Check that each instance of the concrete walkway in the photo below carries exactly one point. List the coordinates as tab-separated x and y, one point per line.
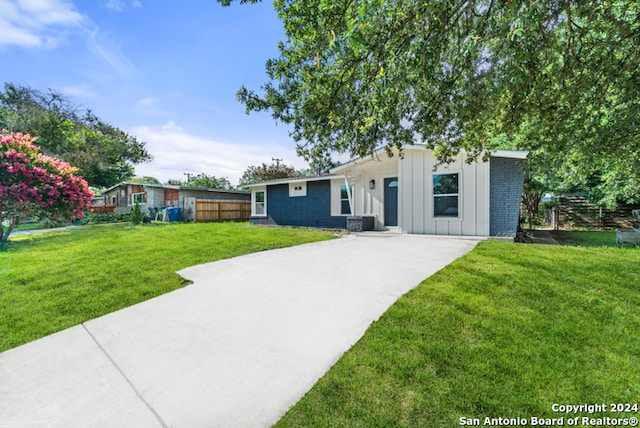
237	348
40	231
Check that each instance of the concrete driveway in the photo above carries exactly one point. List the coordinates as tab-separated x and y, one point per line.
237	348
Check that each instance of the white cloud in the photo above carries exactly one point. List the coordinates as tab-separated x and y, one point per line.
147	102
78	91
36	23
46	23
120	5
116	5
109	50
175	152
12	35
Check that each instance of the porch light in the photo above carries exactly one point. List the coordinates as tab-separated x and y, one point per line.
372	184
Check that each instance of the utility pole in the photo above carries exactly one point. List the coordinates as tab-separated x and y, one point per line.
277	161
188	174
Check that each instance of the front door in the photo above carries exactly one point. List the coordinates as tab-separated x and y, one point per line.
391	201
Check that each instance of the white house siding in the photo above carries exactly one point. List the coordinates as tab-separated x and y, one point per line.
367	201
415	197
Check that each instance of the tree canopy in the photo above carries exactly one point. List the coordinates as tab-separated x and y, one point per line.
560	78
264	172
209	181
145	179
36	185
103	154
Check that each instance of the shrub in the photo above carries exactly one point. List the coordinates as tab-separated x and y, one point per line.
136	214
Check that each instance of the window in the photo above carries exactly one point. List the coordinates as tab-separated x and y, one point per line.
137	198
445	195
344	199
259	207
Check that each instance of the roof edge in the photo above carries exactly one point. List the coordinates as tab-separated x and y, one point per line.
292	180
514	154
171	186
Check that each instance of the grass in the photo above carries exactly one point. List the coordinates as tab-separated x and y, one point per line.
28	226
505	331
50	282
585	238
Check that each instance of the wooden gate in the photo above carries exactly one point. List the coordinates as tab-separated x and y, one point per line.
212	210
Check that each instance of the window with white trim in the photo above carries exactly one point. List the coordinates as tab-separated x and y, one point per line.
345	208
137	198
446	195
260	203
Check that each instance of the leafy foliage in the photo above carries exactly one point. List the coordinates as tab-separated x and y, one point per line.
136	214
36	185
145	179
531	196
209	182
319	166
264	172
104	154
559	78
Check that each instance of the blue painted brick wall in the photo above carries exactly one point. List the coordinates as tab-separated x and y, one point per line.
507	178
313	210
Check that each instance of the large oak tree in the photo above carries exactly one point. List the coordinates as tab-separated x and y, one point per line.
559	78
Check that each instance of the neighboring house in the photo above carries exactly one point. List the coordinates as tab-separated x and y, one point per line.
402	192
123	196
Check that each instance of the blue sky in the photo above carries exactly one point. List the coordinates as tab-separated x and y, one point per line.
165	71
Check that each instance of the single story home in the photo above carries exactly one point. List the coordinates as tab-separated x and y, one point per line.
123	196
407	193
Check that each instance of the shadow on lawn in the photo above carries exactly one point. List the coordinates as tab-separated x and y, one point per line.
585	238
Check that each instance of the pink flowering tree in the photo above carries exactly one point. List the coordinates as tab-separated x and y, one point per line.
36	185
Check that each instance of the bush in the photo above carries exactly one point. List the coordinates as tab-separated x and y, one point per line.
136	214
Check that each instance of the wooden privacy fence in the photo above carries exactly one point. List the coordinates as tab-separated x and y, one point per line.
577	211
208	210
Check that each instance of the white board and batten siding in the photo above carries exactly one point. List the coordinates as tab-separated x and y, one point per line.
368	199
415	198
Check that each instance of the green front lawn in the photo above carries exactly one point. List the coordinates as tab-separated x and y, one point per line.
585	238
53	281
506	331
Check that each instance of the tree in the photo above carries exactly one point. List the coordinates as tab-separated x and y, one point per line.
103	154
264	172
145	179
559	78
319	166
36	185
531	196
209	181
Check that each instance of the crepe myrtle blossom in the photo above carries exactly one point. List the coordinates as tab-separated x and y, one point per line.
35	185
